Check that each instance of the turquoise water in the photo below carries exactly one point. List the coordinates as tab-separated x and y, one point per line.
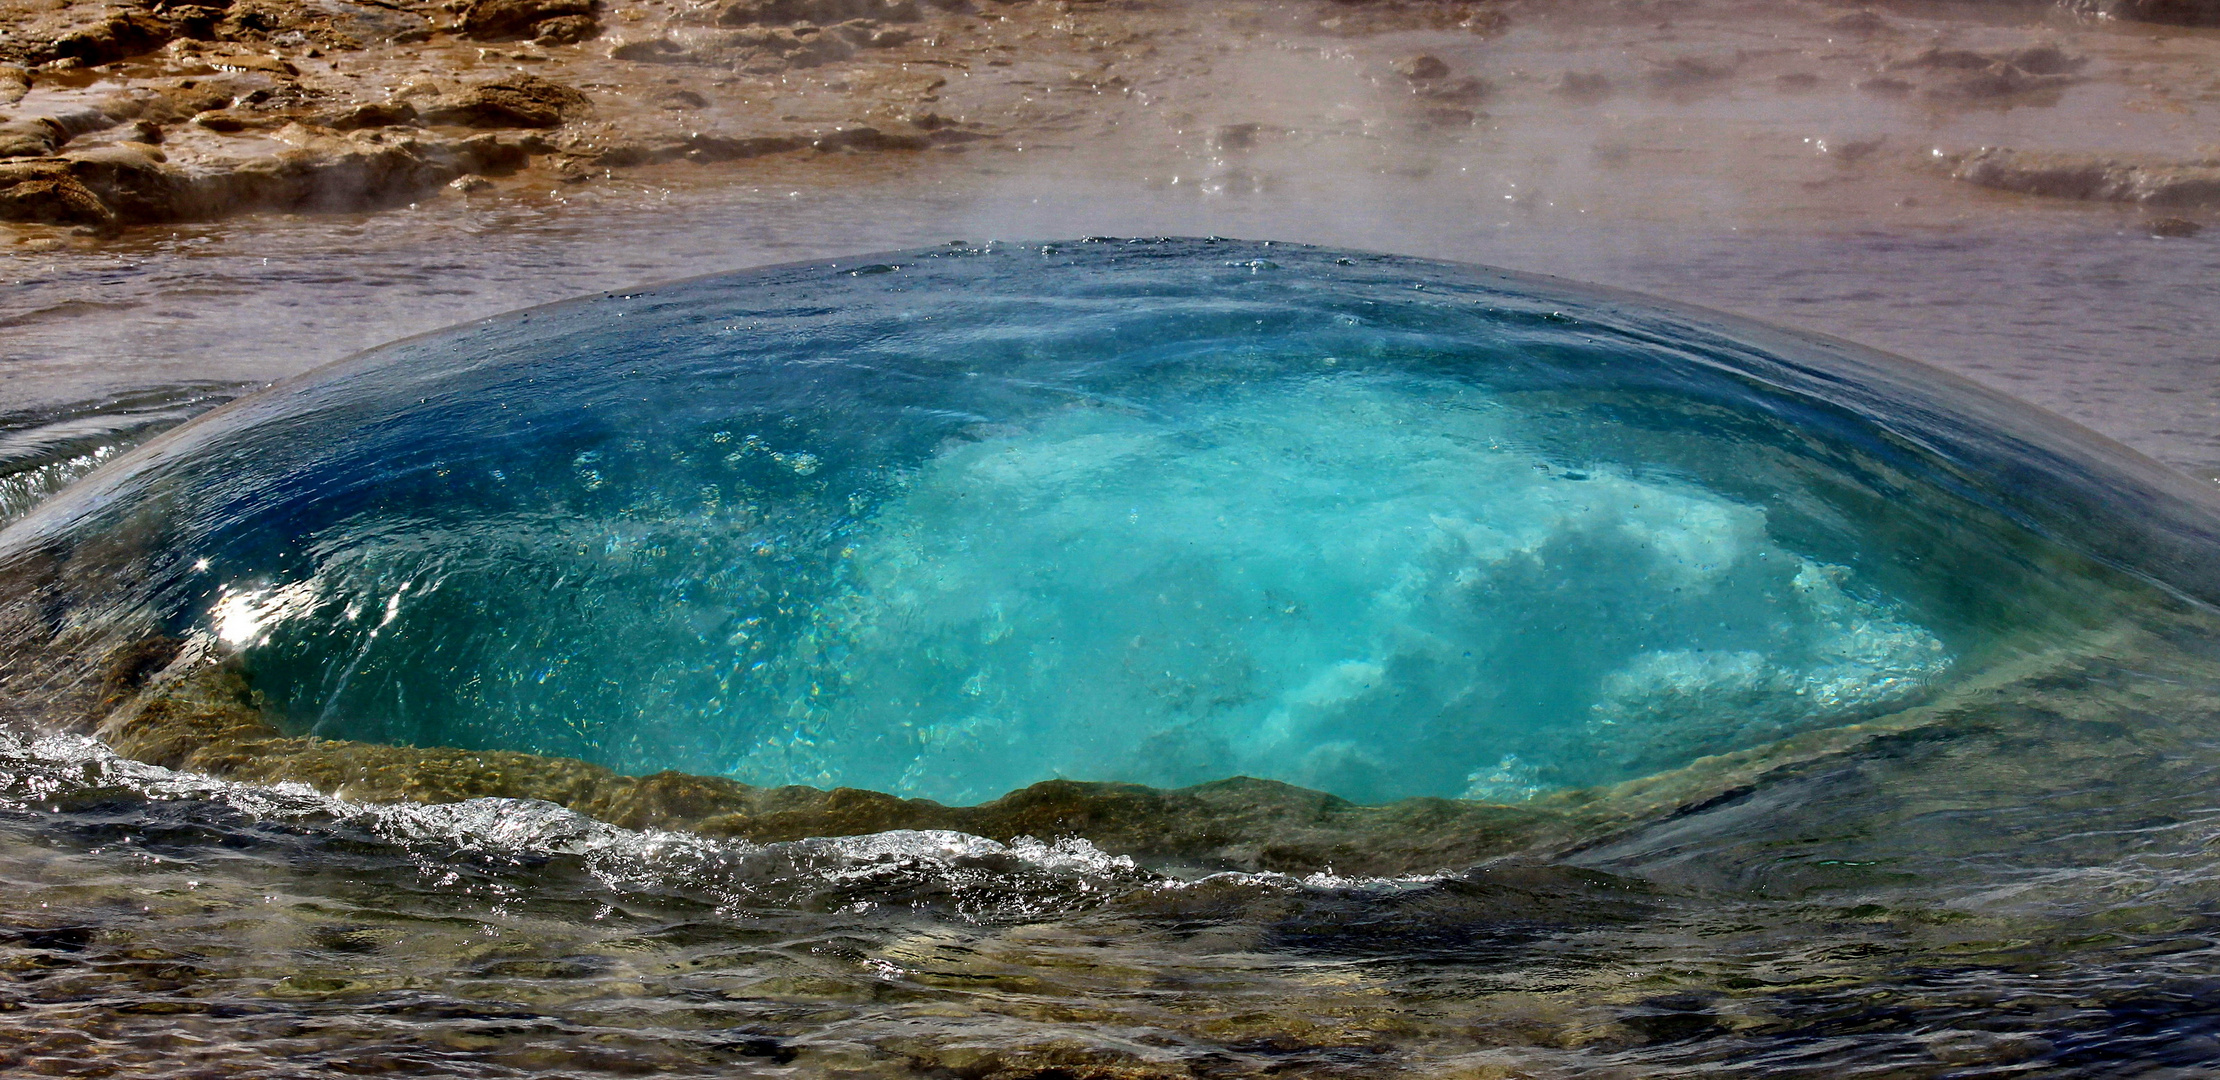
948	523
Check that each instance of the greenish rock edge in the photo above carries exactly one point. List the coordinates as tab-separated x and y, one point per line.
182	706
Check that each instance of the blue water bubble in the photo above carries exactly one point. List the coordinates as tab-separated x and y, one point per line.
1376	526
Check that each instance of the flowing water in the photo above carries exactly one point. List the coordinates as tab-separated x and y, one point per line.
952	521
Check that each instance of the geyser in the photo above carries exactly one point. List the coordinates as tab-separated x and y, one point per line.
951	522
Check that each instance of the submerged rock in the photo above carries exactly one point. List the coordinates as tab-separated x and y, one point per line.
2169	12
815	12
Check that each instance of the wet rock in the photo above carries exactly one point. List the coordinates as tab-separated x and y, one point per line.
2170	12
680	99
500	20
169	103
15	81
1466	91
660	50
335	173
869	138
327	24
2172	227
1431	83
1687	72
229	121
1862	21
2001	81
1422	67
525	101
375	114
130	183
2091	177
269	65
2045	59
134	184
195	21
714	148
45	192
809	46
566	30
1979	75
1582	85
121	34
38	136
1963	1047
818	12
1937	57
1235	137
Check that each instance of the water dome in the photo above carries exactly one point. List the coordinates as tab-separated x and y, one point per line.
947	523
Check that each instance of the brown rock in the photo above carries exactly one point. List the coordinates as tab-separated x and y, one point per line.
708	148
566	30
195	21
121	35
38	136
269	65
14	83
2045	59
869	138
1422	67
338	174
1583	85
517	101
45	192
815	12
1862	21
168	104
229	120
1938	57
375	114
2000	81
495	20
1686	72
133	183
2172	227
650	51
2091	177
2171	12
1465	91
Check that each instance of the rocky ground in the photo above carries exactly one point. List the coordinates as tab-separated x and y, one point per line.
128	115
132	115
115	115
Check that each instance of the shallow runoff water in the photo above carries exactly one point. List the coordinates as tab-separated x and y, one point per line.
1161	512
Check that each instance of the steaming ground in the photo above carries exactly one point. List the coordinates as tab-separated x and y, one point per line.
1977	187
